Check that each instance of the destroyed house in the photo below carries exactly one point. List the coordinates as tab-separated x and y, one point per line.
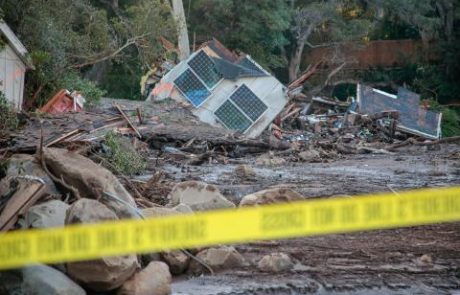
413	118
225	88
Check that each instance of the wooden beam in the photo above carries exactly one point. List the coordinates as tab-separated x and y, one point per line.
128	120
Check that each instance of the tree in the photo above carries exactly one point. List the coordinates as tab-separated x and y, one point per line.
324	22
183	41
255	27
69	38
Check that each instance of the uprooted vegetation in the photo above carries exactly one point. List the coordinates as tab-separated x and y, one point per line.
120	156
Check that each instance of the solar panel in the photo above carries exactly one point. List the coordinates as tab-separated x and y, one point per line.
232	118
193	89
248	102
205	68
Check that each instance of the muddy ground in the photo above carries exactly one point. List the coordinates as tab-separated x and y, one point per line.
380	262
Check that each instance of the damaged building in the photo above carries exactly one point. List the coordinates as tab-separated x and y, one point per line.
14	62
413	118
225	88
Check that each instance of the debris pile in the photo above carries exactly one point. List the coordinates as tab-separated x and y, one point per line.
58	169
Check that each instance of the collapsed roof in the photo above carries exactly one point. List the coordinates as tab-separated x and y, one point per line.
413	118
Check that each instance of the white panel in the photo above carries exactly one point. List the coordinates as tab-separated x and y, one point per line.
13	76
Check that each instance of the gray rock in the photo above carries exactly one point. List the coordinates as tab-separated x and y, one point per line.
177	261
199	196
91	180
225	257
270	196
45	280
103	274
48	214
275	262
155	279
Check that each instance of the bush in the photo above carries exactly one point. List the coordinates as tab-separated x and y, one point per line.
89	90
124	159
8	117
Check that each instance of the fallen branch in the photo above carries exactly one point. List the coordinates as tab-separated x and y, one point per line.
128	120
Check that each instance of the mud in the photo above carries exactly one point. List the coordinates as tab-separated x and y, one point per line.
378	262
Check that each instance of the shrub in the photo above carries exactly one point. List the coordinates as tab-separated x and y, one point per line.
8	117
123	158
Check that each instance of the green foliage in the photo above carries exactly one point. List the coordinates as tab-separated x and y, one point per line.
255	27
450	125
123	158
73	37
72	81
8	117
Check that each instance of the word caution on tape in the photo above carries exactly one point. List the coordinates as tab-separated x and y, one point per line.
298	219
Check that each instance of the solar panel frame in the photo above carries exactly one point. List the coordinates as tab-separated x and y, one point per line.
192	81
242	96
205	69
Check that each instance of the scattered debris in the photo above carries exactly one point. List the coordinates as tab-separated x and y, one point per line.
64	101
413	118
27	192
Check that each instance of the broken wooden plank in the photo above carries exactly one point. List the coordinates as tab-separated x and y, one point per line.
26	195
139	115
62	137
128	120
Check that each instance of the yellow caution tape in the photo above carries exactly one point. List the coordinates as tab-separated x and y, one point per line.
299	219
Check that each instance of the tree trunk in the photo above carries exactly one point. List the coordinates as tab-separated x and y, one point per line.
182	33
296	59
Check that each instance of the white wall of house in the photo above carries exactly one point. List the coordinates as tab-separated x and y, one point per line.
268	89
12	73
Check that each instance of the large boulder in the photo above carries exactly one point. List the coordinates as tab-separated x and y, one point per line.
155	279
90	179
200	196
275	262
177	261
44	215
103	274
45	280
270	196
225	257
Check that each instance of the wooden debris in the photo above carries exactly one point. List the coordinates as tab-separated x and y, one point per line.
27	193
128	120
